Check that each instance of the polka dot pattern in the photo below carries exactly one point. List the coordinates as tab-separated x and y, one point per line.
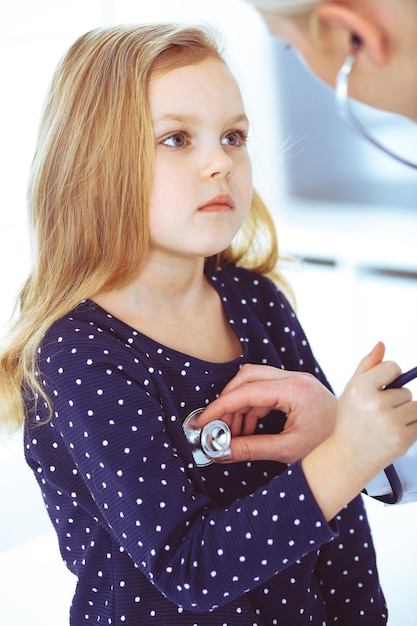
152	538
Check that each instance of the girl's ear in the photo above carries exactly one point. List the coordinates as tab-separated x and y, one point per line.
341	25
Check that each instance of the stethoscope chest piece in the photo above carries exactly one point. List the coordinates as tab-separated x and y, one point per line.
207	443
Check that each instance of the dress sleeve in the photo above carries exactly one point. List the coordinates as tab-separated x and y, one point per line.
347	572
118	434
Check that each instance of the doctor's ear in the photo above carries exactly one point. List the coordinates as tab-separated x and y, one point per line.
342	27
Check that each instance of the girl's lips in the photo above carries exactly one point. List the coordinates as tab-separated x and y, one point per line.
221	202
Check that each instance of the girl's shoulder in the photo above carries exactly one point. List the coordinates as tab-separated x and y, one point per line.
241	278
89	343
86	327
258	290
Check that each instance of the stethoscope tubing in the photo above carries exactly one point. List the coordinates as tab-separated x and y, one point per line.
403	379
390	471
346	113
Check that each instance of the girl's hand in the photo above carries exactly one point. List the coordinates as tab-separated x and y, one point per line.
258	389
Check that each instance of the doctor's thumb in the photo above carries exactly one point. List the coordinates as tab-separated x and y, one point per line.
370	360
281	447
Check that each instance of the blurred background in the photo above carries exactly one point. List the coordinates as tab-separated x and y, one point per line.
346	212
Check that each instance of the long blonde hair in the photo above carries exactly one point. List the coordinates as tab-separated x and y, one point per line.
90	186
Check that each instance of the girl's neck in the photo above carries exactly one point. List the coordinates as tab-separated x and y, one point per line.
160	282
178	308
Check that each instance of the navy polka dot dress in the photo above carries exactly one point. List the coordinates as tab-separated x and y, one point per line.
152	538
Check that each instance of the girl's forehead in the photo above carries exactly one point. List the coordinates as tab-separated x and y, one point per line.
187	83
207	88
207	66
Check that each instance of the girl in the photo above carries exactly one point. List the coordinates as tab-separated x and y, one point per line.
136	313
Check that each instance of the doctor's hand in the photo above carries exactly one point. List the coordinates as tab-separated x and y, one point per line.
374	426
254	392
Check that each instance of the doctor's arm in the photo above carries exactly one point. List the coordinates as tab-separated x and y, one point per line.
362	432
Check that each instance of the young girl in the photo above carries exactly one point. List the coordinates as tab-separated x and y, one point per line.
135	314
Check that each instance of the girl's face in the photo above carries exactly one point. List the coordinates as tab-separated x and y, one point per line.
202	185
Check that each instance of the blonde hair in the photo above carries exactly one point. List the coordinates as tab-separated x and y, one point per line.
90	186
284	7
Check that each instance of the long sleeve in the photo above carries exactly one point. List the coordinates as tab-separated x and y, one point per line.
121	440
347	568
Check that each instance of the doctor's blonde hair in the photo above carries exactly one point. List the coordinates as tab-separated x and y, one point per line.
90	186
284	7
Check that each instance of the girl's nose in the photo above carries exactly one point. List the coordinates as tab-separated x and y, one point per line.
216	163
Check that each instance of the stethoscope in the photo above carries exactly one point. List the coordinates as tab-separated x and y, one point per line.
390	471
207	443
345	111
213	442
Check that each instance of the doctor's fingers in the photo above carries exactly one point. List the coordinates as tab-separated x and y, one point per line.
260	395
252	448
366	403
404	427
379	430
296	395
256	373
375	378
397	397
408	413
242	421
283	447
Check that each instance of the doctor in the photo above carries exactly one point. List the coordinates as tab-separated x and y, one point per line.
365	49
381	34
379	37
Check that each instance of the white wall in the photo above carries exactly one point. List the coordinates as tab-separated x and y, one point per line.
35	587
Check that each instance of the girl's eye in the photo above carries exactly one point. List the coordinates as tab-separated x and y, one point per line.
234	138
177	140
